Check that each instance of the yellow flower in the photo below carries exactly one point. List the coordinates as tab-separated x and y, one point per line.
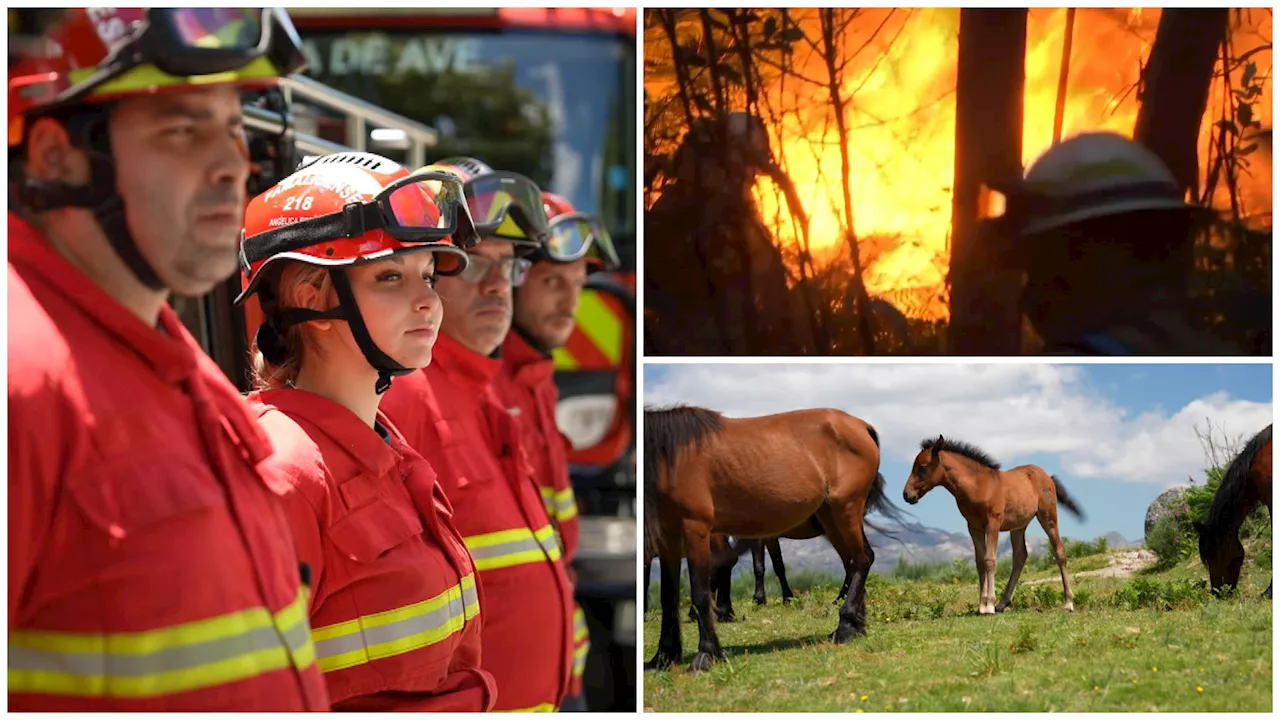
1199	689
1155	669
864	698
1135	681
1095	687
858	710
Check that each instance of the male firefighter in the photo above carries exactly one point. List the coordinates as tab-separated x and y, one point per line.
150	562
451	414
1101	229
545	308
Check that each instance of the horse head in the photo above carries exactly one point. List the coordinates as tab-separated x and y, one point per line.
926	473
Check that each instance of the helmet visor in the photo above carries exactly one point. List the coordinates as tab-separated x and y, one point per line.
507	205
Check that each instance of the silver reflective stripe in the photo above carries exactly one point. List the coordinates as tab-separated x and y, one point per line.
365	640
142	664
510	547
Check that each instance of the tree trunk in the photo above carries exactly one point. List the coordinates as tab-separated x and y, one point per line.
990	76
1176	88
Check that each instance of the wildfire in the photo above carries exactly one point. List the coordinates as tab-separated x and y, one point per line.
900	91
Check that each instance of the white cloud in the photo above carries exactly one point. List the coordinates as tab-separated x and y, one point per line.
1011	411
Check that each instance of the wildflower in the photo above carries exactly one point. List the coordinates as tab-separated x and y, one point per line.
1135	681
864	698
1201	669
858	710
1155	669
1095	687
1199	689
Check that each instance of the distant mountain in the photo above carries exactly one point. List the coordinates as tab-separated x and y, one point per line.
913	542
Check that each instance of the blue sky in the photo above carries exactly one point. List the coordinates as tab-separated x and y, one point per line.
1117	435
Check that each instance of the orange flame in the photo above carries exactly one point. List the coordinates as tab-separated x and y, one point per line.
900	93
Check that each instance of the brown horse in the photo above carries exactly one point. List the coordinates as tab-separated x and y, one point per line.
1246	482
754	477
994	500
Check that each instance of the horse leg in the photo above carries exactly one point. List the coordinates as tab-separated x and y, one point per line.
980	538
848	575
648	570
1050	525
847	521
697	537
724	593
757	566
669	650
1018	539
779	569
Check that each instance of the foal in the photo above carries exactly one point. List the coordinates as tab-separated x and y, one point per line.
991	501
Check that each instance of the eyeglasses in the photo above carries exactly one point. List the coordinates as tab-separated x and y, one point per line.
513	269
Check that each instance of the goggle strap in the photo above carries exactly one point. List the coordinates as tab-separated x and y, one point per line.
354	220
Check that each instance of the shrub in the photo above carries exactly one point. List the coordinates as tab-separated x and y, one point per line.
1172	541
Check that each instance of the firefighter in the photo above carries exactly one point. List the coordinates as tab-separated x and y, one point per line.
544	310
450	412
150	565
344	256
1100	228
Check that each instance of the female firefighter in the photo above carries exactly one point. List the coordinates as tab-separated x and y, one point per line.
344	256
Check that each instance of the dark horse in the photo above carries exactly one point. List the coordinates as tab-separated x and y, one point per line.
754	478
1246	482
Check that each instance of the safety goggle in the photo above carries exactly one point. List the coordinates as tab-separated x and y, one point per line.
574	236
514	269
424	207
192	42
507	205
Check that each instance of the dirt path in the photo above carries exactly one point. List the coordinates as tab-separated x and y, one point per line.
1122	565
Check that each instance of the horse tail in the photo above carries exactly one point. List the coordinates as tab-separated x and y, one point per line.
1064	499
878	501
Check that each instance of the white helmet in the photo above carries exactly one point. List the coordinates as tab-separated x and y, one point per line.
1090	175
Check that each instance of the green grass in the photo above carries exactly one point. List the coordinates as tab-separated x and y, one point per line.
1155	642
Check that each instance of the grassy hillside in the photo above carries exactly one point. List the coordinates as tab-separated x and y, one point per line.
1153	642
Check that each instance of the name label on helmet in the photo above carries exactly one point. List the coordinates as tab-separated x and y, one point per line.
111	27
345	190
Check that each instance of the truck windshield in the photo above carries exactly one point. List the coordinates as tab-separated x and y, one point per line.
556	106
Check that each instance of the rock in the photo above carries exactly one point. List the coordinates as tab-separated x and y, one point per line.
1163	506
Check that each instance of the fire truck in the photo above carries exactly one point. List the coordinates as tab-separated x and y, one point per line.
573	72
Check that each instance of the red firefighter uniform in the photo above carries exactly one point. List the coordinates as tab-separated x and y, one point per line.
527	385
395	613
150	563
450	413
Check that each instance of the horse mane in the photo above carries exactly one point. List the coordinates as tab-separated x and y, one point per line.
1231	492
963	449
666	431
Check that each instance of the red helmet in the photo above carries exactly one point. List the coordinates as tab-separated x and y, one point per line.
91	55
505	205
556	205
572	235
353	206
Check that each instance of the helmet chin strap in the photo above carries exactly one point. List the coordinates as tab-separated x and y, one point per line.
278	321
99	196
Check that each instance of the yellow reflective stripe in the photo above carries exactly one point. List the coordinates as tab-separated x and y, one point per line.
580	660
146	77
507	548
544	707
580	631
190	656
601	325
566	505
394	632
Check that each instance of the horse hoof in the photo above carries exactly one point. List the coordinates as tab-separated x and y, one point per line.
760	600
1001	608
787	600
986	611
844	633
1069	607
701	662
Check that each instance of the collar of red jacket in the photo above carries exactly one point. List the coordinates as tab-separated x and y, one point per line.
529	365
170	350
464	365
365	446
